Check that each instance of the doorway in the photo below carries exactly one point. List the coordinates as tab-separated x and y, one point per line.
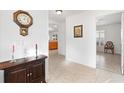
108	43
53	38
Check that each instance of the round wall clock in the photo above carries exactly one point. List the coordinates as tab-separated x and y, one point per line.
24	20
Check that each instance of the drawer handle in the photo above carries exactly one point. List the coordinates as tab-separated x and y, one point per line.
30	74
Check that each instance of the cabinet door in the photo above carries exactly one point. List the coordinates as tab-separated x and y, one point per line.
16	76
36	73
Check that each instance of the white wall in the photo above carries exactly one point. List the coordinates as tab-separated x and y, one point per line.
112	33
62	39
25	46
81	50
122	40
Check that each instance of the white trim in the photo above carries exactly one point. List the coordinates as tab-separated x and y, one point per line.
1	76
122	44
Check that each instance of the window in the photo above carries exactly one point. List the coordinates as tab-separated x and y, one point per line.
100	37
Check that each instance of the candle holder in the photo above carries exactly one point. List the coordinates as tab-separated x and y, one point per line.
36	55
36	50
13	58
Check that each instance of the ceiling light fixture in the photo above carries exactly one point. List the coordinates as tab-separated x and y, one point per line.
58	12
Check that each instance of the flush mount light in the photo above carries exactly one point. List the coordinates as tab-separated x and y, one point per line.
58	12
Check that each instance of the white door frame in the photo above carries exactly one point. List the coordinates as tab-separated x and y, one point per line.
122	43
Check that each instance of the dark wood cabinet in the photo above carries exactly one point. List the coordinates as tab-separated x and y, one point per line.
16	76
28	70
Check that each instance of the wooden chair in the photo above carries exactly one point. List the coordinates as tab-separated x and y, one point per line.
109	46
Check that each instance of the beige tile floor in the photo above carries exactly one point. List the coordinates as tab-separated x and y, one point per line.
63	71
109	62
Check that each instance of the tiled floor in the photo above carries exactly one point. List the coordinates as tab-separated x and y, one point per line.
109	62
63	71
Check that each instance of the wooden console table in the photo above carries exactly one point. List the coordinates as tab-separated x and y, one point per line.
24	70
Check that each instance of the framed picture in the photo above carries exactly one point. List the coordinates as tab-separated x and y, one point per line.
78	31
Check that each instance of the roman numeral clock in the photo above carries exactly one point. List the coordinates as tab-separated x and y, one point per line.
24	20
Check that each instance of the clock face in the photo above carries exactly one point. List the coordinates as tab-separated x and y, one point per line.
24	19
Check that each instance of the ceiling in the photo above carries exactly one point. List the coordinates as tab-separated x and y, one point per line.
55	19
61	18
109	19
